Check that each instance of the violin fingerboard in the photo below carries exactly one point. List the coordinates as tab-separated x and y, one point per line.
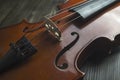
91	7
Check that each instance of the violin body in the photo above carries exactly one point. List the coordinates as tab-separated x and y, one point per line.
98	34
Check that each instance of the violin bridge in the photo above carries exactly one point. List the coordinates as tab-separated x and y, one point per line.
52	29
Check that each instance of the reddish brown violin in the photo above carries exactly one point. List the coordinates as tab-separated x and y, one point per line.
58	45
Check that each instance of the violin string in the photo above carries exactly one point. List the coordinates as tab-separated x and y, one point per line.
35	29
41	26
59	12
70	21
69	8
59	26
65	17
36	45
28	34
62	17
62	11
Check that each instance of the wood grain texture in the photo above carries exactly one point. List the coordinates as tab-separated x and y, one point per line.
14	11
99	67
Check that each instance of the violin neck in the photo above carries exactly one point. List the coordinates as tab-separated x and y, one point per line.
90	8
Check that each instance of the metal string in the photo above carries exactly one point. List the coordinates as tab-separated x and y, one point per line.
59	12
41	26
59	26
65	17
64	9
70	21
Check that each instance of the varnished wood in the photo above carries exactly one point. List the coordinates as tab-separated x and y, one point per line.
41	66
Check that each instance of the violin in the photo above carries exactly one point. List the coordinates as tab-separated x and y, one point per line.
56	47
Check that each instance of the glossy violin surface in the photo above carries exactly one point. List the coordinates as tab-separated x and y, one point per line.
58	45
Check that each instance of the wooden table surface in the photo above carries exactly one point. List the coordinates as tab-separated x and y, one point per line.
98	67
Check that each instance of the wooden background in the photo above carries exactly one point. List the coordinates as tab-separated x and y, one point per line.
97	67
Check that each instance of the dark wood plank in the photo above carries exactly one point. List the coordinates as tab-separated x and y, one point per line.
14	11
5	9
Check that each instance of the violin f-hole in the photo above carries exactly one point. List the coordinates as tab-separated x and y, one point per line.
62	52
